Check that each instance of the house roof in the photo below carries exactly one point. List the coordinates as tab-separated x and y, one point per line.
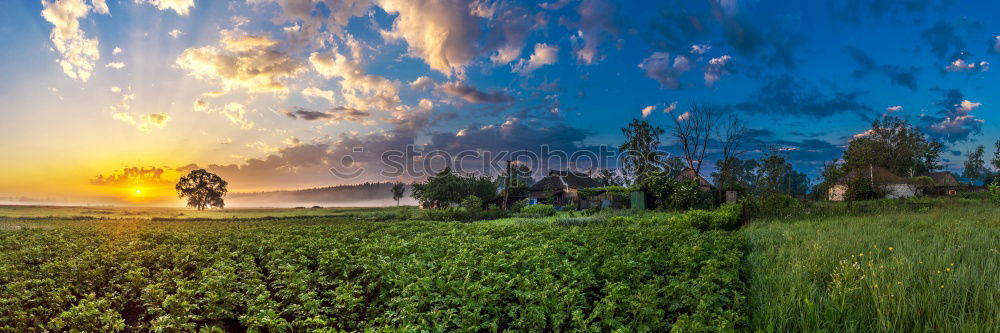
689	174
560	180
943	178
878	175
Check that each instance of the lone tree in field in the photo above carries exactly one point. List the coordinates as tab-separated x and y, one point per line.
203	189
398	189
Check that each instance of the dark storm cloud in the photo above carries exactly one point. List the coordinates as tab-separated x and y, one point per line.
513	134
783	95
943	40
897	75
855	10
473	95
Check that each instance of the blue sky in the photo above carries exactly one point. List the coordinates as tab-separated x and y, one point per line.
271	92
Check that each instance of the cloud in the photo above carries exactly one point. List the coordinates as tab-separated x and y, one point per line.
508	29
996	44
313	92
544	55
78	52
513	133
176	33
646	111
715	69
157	119
670	108
117	51
473	95
943	40
181	7
895	108
954	121
783	95
360	90
134	176
659	67
335	114
115	65
422	83
700	48
684	116
236	113
442	33
960	65
597	23
249	62
100	6
897	75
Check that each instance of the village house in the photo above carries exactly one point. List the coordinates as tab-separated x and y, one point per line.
945	183
894	186
689	174
560	188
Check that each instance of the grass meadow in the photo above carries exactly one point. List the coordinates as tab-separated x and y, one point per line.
908	272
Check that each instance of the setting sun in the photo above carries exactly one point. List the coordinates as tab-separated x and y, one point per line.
138	191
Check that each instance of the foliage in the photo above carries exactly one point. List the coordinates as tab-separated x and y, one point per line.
861	188
776	175
398	190
895	145
472	203
569	207
975	166
994	190
341	275
610	177
447	188
520	180
617	191
518	205
538	210
923	182
462	214
726	217
641	150
203	189
688	194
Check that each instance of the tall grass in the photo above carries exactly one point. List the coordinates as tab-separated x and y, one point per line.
907	272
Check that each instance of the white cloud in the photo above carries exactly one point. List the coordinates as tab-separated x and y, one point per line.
960	65
894	108
115	65
116	89
670	108
996	44
117	51
313	92
646	111
700	48
442	33
176	33
684	116
421	83
100	6
360	90
236	113
715	69
544	55
79	53
245	61
182	7
968	106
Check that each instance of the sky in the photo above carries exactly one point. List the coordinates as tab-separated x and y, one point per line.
113	100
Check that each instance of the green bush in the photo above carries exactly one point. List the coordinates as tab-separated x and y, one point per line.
538	210
688	195
994	191
472	204
516	206
726	217
569	207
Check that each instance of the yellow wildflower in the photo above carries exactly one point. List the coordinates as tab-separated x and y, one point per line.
890	248
862	254
942	286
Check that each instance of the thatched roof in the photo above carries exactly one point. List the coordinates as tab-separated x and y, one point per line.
877	175
943	178
561	180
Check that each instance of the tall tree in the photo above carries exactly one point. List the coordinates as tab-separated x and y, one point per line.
674	165
895	145
975	166
692	129
996	157
610	177
203	189
398	189
641	150
731	134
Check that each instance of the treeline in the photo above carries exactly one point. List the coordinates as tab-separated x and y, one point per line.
368	191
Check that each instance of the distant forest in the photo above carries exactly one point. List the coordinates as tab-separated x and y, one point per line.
366	194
